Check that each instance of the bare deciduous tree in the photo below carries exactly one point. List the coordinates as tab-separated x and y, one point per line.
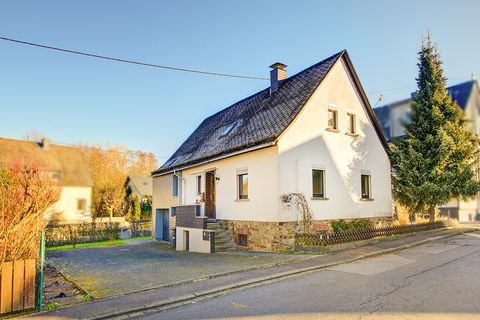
298	201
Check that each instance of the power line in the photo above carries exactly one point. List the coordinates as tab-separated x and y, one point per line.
92	55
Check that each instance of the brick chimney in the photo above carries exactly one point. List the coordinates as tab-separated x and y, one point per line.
277	75
45	144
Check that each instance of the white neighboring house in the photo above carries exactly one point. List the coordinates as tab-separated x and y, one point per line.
314	133
467	96
66	165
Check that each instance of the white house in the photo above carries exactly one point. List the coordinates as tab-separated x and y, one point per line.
467	96
312	133
66	165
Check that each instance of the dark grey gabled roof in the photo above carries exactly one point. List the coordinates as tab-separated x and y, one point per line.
253	121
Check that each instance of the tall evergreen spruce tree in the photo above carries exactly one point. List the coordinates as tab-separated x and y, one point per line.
435	161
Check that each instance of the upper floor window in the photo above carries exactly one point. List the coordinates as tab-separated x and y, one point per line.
318	183
175	186
242	179
366	186
352	125
229	128
332	119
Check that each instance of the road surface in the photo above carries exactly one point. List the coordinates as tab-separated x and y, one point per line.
434	281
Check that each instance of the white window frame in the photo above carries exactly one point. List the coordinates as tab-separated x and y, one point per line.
324	182
241	172
350	130
334	111
369	195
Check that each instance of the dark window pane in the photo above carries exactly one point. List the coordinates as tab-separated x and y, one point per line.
199	184
332	119
351	123
318	183
366	186
243	186
175	186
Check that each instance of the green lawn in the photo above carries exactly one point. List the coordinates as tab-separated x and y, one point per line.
99	244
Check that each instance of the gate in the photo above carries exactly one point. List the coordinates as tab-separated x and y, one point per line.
17	286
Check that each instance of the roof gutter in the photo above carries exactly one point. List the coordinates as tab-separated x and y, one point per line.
262	146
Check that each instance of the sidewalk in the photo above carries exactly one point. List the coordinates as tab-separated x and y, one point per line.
136	303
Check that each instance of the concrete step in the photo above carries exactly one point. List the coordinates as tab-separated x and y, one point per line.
223	238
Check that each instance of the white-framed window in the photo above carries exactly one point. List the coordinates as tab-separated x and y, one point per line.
318	183
242	185
332	119
175	186
352	123
366	182
199	184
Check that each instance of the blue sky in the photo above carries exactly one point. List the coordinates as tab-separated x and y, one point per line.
74	99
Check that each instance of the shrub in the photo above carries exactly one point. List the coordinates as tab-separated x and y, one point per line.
341	226
356	224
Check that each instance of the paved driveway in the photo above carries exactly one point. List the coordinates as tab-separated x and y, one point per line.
140	265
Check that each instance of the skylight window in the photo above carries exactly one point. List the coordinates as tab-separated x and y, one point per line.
229	128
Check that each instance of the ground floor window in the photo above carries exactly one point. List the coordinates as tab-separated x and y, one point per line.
366	186
242	186
318	183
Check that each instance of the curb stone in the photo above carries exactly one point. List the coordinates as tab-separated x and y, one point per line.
258	281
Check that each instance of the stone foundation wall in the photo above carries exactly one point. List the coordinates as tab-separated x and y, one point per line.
280	236
263	236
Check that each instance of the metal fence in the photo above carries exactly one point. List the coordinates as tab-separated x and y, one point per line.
307	239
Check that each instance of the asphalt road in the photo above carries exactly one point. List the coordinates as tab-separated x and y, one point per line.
434	281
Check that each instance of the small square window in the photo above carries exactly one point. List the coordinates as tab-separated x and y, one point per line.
243	186
199	184
82	205
332	119
242	240
366	187
318	183
173	212
352	126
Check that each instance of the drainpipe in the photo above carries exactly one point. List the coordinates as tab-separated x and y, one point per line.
182	186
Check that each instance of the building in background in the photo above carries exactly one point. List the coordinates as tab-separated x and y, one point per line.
140	186
467	95
65	165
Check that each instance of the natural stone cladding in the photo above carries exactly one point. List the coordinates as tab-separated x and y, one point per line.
280	236
263	236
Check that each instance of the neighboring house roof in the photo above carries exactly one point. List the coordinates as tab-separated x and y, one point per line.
68	164
257	120
459	93
383	117
143	186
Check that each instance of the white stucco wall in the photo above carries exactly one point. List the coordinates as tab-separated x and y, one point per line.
263	203
66	206
195	240
307	144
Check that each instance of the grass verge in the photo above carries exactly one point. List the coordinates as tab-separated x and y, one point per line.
98	244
